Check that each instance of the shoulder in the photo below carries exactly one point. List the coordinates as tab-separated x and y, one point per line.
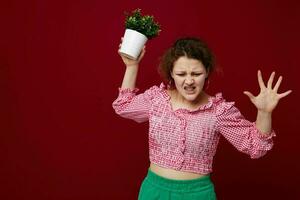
154	89
220	104
157	91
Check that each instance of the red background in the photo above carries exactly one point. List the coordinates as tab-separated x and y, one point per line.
59	74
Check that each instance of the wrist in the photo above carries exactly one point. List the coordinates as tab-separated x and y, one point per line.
264	121
132	69
264	113
132	65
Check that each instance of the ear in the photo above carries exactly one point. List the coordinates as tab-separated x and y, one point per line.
207	74
172	75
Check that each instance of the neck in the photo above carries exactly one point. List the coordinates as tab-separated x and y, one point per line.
201	99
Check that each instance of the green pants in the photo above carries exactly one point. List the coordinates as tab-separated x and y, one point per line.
155	187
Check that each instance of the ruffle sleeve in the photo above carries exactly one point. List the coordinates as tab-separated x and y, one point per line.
134	106
240	132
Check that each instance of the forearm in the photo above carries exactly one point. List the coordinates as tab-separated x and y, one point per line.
264	122
130	76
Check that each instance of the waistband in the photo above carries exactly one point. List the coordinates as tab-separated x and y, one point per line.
194	185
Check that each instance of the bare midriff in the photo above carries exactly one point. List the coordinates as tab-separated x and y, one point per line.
174	174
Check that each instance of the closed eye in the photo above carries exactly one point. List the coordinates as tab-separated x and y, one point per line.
193	74
197	74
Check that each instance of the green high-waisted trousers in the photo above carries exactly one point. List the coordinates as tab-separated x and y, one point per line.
155	187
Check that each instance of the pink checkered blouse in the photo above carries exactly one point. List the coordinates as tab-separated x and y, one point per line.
187	140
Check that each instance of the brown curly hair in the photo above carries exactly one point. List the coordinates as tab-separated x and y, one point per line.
190	47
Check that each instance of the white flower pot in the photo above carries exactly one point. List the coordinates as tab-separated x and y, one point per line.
133	43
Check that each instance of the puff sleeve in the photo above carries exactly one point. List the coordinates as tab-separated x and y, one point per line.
241	133
134	106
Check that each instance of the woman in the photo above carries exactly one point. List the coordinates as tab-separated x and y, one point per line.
185	123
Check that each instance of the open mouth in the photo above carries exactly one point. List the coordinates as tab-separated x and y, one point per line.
189	89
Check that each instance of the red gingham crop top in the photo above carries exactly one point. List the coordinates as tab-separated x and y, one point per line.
187	140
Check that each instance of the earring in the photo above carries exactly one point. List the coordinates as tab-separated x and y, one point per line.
169	84
206	84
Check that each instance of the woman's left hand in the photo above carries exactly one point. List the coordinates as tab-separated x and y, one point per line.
268	97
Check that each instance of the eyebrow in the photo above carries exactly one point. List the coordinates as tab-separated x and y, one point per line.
179	71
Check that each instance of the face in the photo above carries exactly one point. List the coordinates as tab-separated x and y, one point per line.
189	77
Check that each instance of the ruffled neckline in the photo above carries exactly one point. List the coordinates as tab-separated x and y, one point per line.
212	100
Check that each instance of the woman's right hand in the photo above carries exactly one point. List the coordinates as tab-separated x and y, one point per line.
131	62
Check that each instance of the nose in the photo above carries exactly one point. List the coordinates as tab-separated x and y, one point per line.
189	80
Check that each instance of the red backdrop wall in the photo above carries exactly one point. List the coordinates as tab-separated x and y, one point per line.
60	71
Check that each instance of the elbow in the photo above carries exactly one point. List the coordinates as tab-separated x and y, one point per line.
257	147
258	154
119	111
135	116
118	107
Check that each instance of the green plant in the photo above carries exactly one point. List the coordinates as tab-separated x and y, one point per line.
144	24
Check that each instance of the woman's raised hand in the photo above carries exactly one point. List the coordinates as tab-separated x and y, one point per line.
131	62
268	98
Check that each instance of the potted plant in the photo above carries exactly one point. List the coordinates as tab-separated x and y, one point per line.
139	29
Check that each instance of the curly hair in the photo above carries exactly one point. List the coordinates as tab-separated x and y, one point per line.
190	47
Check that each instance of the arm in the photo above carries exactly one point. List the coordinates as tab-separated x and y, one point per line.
255	138
131	72
130	76
241	133
128	104
132	106
264	122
